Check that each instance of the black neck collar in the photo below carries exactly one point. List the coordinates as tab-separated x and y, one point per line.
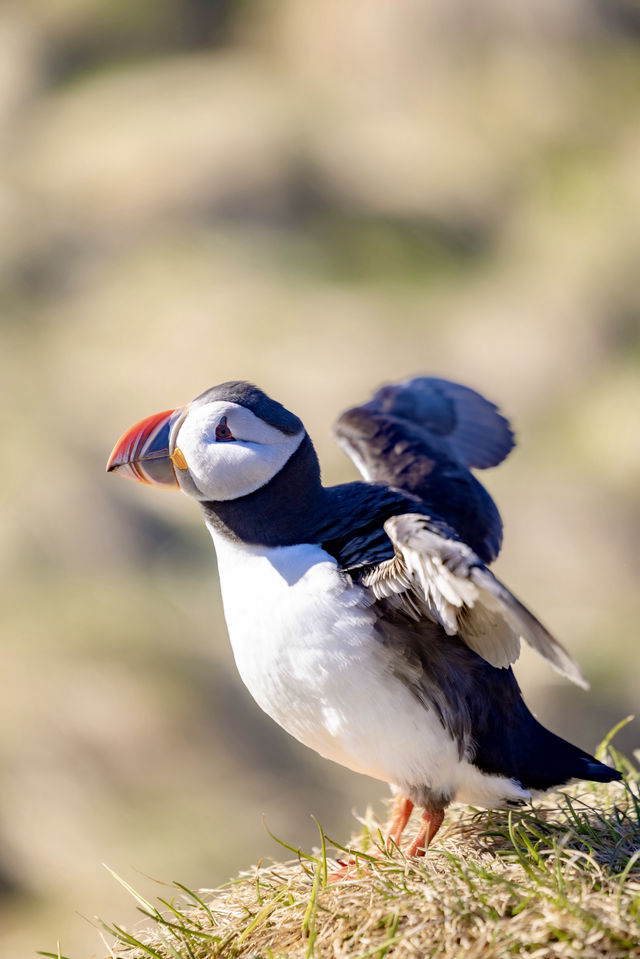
282	512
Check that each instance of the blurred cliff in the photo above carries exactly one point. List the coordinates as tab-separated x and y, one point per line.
318	197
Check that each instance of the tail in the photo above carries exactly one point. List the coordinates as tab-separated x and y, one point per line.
550	761
513	743
597	772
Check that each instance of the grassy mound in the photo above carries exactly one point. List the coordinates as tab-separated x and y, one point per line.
562	879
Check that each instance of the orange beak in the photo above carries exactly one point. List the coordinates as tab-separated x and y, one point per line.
144	452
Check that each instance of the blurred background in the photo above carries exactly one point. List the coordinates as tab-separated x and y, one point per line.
318	197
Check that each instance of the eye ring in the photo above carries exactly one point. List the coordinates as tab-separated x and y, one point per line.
223	433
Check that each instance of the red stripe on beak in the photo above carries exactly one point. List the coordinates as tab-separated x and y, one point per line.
143	453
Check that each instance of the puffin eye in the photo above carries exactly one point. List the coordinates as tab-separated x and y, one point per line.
222	430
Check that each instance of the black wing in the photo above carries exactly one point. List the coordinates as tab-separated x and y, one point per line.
423	436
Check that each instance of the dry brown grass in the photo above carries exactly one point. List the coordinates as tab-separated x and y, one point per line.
561	880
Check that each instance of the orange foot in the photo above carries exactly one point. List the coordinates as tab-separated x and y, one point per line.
351	869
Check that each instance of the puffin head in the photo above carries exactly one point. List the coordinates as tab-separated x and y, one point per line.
228	442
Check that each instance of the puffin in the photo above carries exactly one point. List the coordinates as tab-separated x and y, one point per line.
363	617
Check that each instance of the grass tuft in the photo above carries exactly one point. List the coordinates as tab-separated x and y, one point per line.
560	879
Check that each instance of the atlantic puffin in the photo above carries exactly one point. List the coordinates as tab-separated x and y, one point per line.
363	617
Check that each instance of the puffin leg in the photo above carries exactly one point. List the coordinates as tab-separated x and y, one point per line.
400	811
399	817
431	822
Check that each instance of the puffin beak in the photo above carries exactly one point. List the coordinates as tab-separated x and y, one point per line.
144	452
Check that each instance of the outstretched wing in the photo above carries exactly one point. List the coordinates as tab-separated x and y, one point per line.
435	575
423	436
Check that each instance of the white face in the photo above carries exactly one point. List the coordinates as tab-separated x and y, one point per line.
225	468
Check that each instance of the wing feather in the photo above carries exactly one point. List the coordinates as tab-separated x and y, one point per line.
440	577
423	436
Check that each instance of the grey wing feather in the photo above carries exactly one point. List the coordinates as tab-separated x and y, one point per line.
439	577
453	421
478	434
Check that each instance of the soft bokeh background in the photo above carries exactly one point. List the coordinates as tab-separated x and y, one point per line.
319	197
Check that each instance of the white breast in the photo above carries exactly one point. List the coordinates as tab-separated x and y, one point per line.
304	642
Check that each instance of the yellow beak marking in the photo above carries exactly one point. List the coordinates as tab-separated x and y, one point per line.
178	460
